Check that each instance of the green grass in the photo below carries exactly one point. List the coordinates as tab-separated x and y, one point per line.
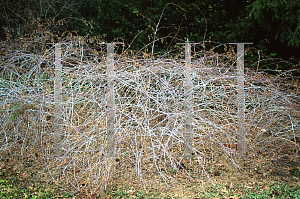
277	190
13	187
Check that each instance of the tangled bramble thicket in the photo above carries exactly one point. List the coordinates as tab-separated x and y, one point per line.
149	114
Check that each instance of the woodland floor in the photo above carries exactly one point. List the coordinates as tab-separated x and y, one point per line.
253	176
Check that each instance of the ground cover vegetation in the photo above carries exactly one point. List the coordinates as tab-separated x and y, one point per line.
150	110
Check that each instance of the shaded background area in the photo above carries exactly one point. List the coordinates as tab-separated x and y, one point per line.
273	27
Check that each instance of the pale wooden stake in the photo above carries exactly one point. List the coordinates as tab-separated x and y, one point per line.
110	100
241	137
57	127
188	106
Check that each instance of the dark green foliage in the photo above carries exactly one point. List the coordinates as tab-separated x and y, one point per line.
278	22
273	26
21	17
282	18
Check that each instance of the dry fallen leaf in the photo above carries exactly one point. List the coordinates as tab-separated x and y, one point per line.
2	165
287	168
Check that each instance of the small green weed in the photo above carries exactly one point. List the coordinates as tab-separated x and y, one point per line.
12	187
269	191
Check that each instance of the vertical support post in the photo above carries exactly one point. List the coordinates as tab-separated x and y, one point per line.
110	103
188	117
241	137
110	76
57	128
